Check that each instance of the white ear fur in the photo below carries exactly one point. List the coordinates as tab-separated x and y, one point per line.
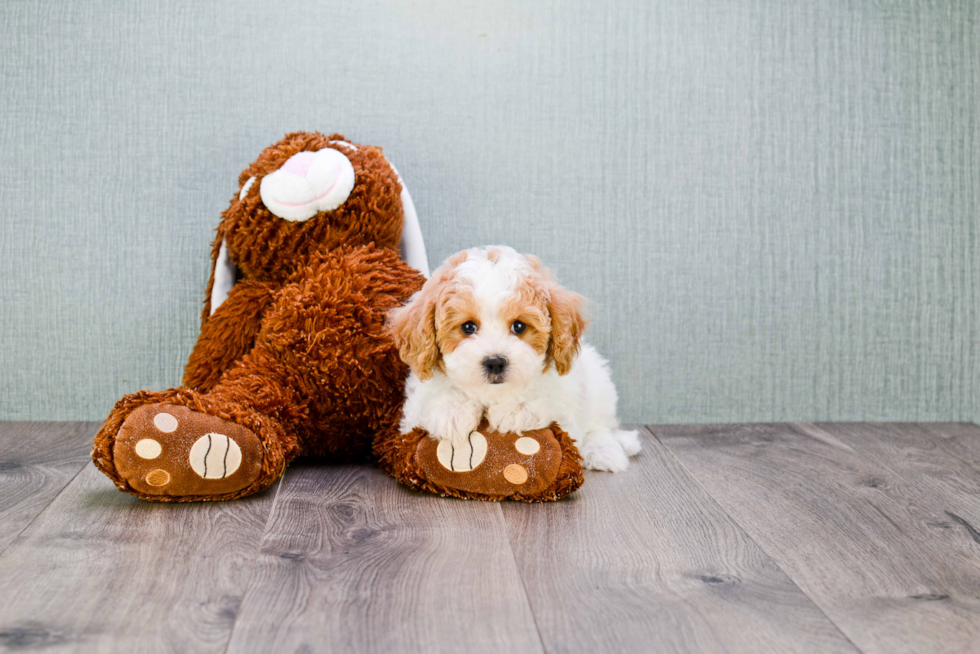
225	276
244	191
349	145
412	246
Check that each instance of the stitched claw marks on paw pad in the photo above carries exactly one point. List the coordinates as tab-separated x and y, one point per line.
465	456
215	456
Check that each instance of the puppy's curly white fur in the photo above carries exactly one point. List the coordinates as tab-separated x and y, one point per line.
492	333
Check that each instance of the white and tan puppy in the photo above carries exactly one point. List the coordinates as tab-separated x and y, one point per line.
493	333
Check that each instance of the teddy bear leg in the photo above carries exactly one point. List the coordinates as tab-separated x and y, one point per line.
329	390
323	365
228	334
183	446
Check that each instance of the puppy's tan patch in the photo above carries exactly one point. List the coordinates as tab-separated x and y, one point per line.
413	326
457	306
529	306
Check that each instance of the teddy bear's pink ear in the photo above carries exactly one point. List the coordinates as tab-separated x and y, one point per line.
412	246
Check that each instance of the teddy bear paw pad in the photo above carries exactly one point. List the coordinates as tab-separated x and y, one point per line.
164	449
492	463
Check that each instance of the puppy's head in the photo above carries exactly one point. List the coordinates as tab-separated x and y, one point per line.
490	319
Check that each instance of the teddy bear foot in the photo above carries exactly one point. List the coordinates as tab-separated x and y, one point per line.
537	466
174	452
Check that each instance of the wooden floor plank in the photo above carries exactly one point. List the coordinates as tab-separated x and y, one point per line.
943	458
37	460
645	560
353	562
100	570
857	517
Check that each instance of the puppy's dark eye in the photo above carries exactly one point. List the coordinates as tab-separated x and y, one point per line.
469	328
518	327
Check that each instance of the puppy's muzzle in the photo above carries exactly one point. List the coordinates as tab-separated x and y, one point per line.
495	366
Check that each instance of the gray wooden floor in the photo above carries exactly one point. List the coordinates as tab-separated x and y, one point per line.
745	538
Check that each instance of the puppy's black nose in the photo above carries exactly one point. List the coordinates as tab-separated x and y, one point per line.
495	365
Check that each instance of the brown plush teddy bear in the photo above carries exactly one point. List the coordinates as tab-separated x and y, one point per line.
293	357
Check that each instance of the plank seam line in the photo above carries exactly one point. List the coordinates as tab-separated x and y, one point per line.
255	561
520	575
775	562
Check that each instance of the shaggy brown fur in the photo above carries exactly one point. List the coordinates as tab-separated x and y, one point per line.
298	353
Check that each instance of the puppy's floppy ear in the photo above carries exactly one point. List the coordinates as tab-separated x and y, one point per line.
567	325
413	328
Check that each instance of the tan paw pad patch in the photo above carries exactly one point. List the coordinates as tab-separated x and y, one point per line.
158	477
515	474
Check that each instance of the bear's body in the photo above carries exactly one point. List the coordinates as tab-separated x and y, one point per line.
295	360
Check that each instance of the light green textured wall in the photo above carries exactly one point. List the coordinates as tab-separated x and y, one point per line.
775	205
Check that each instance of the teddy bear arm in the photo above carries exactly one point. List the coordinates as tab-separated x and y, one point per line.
228	334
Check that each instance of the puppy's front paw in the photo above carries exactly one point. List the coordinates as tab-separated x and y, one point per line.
630	440
454	422
603	452
514	418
